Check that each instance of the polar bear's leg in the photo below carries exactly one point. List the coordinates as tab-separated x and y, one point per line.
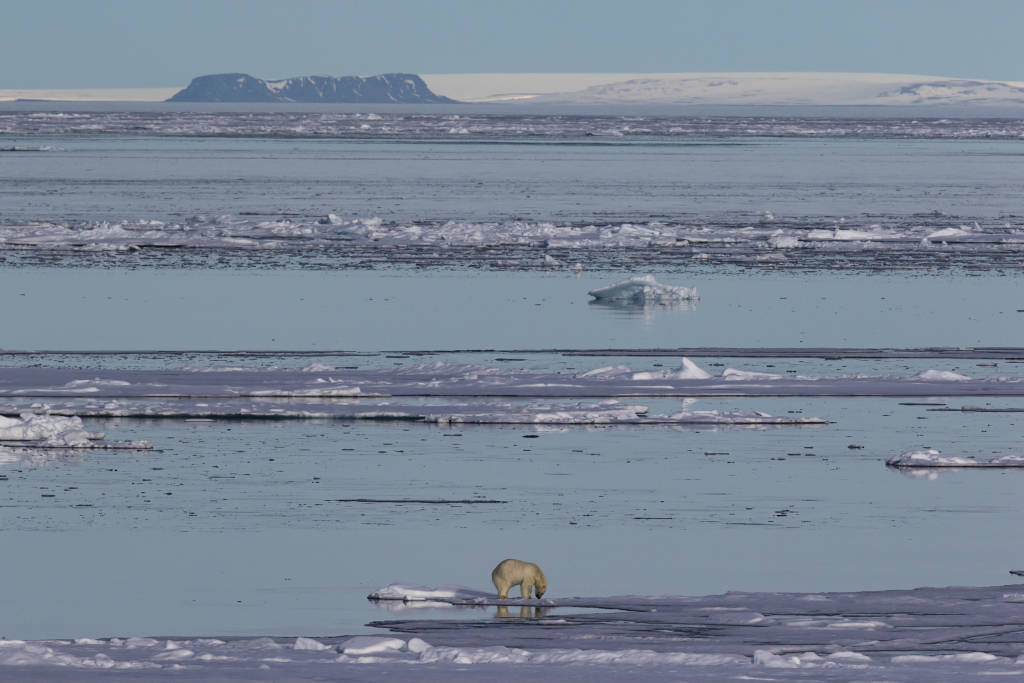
525	588
500	584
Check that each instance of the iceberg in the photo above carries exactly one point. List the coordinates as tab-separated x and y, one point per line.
644	290
690	370
46	430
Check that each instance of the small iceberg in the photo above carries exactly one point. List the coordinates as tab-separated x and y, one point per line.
689	370
408	592
46	430
931	457
644	290
941	376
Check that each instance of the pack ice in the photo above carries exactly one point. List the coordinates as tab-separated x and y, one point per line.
915	636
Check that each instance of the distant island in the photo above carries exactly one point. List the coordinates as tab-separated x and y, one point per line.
385	88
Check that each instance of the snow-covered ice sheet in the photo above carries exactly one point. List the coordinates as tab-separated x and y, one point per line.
433	411
530	245
924	634
440	379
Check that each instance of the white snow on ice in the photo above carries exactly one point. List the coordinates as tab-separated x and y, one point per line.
765	239
915	636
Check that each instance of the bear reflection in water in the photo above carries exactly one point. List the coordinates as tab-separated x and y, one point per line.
525	612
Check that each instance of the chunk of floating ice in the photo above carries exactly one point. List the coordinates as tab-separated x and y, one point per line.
409	592
931	457
846	235
309	644
318	367
690	370
644	290
970	657
779	241
770	660
37	434
606	372
498	654
417	645
368	645
941	376
948	232
734	375
49	430
23	654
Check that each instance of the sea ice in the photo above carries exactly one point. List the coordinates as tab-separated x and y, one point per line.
525	244
413	592
734	375
46	430
941	376
690	370
916	636
644	290
781	241
931	457
368	645
302	643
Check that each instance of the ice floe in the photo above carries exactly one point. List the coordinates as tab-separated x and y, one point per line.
46	430
438	393
409	592
917	636
36	440
529	245
644	290
433	411
689	370
931	457
401	125
941	376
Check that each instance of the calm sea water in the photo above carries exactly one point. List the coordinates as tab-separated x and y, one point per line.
114	177
232	528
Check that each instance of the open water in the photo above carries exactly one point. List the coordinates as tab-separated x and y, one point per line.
234	527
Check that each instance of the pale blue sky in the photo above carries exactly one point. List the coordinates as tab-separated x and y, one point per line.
138	43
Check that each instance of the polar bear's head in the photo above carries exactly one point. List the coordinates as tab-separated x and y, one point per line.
541	585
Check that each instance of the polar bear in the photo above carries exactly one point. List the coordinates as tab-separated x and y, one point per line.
526	575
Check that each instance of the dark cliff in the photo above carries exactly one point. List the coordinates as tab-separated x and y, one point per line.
386	88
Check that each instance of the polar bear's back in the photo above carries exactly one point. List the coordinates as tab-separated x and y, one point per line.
514	570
